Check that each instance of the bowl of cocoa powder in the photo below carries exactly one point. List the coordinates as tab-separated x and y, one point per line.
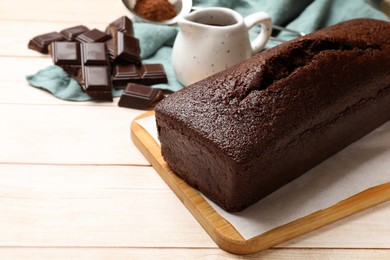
158	11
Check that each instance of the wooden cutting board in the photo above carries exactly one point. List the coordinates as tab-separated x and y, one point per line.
221	231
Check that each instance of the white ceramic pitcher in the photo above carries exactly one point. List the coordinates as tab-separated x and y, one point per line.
213	39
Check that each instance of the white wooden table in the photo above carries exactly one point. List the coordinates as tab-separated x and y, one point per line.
73	185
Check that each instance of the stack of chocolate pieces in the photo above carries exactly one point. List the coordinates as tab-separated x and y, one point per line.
102	60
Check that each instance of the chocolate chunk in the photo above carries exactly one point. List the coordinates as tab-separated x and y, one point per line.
40	43
146	74
96	73
123	74
122	24
67	56
128	48
140	96
94	53
97	82
112	43
110	49
96	78
65	53
93	36
124	48
100	95
153	74
72	32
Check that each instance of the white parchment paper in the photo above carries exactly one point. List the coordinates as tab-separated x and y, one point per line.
362	165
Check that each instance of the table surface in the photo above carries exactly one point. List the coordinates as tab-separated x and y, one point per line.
73	185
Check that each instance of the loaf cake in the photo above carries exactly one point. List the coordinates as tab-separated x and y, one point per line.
242	133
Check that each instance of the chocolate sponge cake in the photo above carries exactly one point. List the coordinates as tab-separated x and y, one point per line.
242	133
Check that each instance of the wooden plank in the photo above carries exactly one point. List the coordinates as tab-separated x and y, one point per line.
16	92
130	206
15	69
186	253
67	135
62	11
74	206
36	179
224	234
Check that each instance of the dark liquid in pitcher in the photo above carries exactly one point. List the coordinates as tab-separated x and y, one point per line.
210	22
214	24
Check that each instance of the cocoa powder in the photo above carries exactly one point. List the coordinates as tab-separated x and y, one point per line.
155	10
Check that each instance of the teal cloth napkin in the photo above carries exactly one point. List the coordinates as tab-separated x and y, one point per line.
157	40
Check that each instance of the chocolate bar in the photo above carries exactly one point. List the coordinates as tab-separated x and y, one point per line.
96	75
94	53
123	74
123	48
97	82
67	55
41	42
90	66
146	74
94	35
111	43
110	49
140	96
96	78
128	48
101	95
122	24
72	32
153	74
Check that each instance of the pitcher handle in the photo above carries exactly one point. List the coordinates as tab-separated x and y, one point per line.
264	20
